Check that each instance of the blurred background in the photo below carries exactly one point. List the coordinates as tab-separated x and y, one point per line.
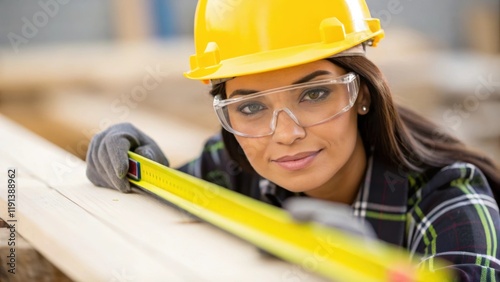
69	68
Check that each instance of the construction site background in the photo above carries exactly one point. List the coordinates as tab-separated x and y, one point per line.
69	69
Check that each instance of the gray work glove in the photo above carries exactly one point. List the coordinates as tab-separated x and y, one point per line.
331	214
107	159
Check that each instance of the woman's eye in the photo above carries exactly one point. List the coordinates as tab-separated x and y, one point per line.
251	108
313	95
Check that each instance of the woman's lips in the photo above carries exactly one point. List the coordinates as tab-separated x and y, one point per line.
297	161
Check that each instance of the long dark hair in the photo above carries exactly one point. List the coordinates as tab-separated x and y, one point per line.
400	136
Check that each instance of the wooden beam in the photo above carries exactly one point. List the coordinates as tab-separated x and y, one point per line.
133	20
110	66
33	265
97	234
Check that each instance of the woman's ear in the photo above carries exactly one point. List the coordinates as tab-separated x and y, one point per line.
364	100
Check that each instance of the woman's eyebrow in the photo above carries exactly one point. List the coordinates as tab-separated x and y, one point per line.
311	76
242	92
301	80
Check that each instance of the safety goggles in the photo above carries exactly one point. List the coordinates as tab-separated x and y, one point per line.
307	104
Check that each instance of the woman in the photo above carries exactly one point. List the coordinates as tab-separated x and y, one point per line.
305	113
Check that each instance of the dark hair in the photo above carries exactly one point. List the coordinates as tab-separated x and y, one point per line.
400	136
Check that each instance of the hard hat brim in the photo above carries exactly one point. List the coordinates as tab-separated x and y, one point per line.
282	58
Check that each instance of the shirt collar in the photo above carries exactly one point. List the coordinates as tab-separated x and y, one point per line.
382	200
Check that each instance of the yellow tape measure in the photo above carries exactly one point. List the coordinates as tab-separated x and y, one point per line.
326	251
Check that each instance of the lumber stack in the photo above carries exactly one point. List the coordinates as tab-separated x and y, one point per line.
97	234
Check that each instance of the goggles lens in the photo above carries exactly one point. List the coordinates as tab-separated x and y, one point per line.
308	104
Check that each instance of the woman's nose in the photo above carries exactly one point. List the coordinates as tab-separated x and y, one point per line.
287	128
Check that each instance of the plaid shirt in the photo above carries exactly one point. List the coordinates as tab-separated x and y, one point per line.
447	213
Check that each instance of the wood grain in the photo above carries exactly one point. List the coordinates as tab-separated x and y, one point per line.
97	234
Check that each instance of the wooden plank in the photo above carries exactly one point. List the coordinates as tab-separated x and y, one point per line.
109	66
92	233
80	245
167	129
33	266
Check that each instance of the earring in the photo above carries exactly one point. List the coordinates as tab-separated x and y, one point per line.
364	108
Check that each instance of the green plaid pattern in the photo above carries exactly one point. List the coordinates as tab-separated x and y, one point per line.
448	213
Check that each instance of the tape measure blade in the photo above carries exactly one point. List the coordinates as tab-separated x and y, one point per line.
272	229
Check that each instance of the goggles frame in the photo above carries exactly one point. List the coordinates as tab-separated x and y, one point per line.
219	103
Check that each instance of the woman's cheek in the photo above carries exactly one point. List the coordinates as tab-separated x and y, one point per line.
253	148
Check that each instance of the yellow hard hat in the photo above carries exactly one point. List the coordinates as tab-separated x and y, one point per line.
240	37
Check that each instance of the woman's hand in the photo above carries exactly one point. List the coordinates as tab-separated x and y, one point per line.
107	159
336	215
